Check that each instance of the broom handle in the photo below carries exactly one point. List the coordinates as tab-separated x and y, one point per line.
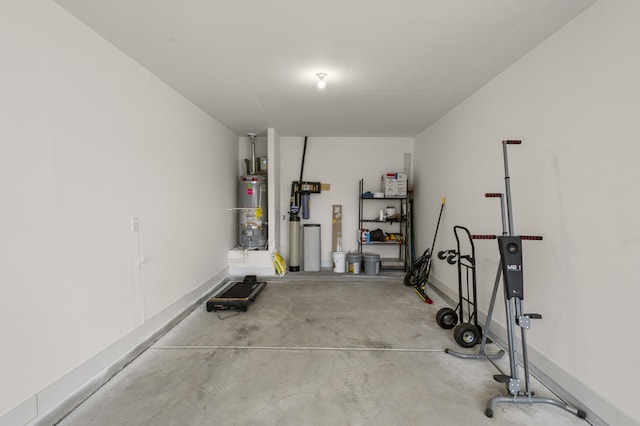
433	245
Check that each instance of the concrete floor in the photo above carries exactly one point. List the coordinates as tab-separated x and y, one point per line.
319	349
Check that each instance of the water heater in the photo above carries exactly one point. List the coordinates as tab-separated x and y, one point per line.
252	203
252	200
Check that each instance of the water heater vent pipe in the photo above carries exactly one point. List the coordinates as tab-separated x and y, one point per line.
252	140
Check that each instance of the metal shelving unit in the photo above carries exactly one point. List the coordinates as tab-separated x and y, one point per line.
396	226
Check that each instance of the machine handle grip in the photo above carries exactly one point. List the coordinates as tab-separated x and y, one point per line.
511	142
483	237
493	237
531	237
493	195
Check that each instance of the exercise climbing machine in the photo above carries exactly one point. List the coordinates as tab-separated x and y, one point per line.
510	247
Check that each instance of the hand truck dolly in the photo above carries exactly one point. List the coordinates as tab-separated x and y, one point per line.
468	332
482	354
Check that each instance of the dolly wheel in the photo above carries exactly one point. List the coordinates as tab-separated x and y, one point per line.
447	318
466	335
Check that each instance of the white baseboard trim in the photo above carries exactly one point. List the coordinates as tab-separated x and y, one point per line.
53	403
600	411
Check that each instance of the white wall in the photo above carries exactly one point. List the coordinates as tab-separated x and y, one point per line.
341	162
89	140
275	196
574	101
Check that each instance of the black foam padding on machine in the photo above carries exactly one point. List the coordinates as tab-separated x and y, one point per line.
511	260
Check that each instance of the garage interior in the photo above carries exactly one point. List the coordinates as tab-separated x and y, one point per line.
126	128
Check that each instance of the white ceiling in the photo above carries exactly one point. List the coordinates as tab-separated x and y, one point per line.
394	66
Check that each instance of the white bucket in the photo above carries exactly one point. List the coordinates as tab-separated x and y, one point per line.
339	262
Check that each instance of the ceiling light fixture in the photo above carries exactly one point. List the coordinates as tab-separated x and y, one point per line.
321	83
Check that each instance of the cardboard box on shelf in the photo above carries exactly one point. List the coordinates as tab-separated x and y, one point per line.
394	184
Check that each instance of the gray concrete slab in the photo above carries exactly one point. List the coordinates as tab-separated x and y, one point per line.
311	352
371	313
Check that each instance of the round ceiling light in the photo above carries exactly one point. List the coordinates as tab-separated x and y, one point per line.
321	82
